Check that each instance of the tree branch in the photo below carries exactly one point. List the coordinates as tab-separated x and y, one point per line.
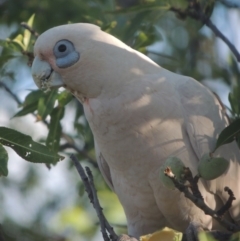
80	151
219	34
198	15
30	29
228	204
97	206
91	191
199	202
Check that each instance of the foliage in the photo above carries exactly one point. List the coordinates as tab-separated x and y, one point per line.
26	147
142	25
229	134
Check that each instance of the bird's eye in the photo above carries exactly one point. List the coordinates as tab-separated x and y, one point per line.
62	48
65	53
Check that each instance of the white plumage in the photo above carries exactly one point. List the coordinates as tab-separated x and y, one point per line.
140	114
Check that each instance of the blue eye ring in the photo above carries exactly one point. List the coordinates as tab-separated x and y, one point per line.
65	53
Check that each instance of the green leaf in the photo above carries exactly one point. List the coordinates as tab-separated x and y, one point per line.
203	236
27	110
46	104
228	134
145	37
3	42
30	103
55	129
33	97
3	161
27	33
26	148
10	50
64	98
19	41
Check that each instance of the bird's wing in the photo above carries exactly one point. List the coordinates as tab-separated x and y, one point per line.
103	166
205	118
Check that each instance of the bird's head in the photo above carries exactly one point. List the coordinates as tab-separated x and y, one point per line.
84	58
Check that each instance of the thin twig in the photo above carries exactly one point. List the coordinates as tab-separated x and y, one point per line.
83	176
198	15
162	55
193	182
30	29
200	203
97	205
228	204
219	34
82	152
90	189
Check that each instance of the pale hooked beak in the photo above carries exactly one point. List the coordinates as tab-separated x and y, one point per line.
44	76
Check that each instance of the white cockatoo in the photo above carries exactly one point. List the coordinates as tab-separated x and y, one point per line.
140	114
